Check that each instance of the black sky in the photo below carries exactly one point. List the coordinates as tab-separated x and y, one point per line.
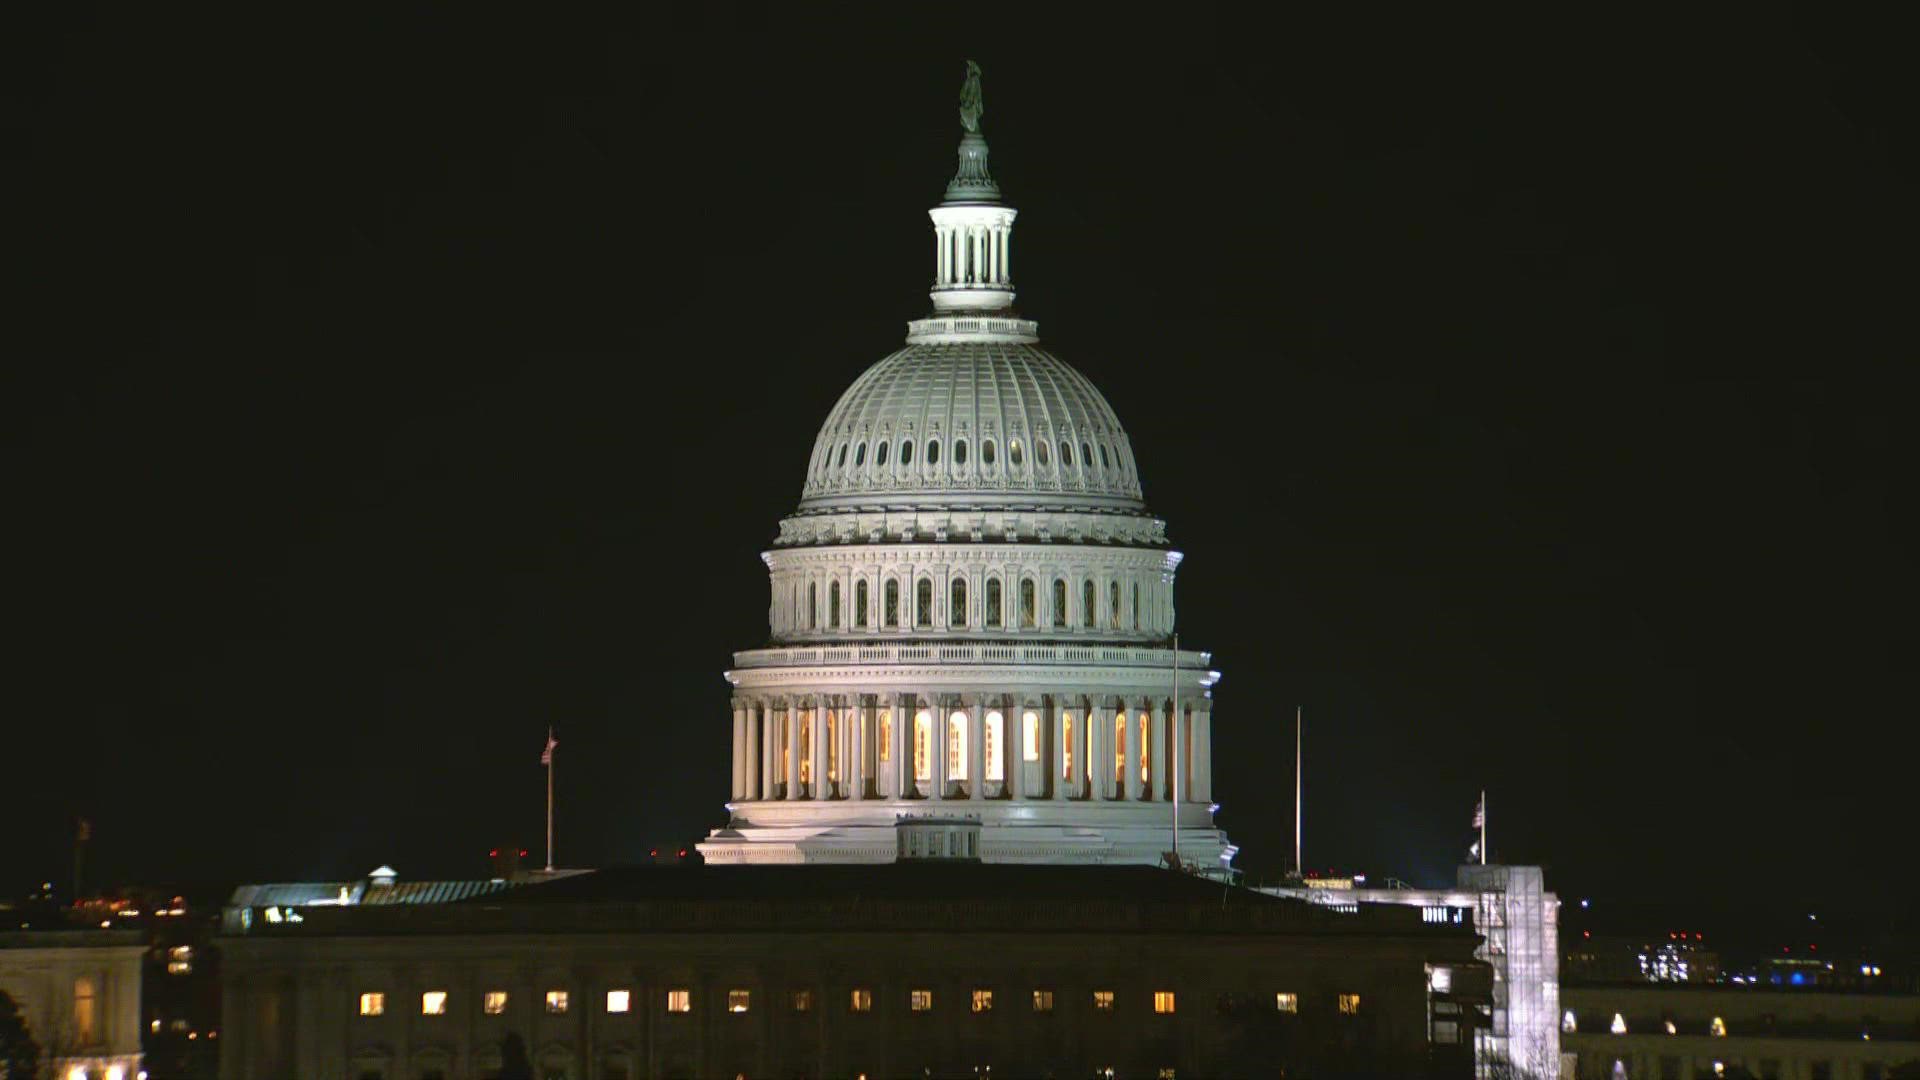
1525	388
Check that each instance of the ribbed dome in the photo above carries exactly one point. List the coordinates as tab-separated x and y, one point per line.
981	423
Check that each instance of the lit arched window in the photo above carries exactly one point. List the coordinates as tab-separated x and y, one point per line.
922	743
1060	603
892	603
1066	746
1119	750
880	453
1113	603
906	452
1028	604
860	455
833	605
883	724
1145	756
860	603
957	746
813	606
959	452
1014	457
995	745
933	451
1088	609
957	609
986	452
1030	736
993	602
923	603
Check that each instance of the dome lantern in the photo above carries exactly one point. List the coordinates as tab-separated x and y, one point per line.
973	231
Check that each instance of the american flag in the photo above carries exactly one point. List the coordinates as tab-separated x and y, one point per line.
546	755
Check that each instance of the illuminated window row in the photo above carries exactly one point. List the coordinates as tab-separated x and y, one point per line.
860	1000
1010	600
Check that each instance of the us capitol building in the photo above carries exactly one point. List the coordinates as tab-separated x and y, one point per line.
971	606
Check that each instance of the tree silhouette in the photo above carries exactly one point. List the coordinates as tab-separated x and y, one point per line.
19	1054
514	1063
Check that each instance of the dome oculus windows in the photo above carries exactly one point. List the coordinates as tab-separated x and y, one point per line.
880	453
860	455
959	451
906	452
1041	448
933	451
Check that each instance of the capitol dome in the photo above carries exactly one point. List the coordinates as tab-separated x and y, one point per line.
971	609
989	420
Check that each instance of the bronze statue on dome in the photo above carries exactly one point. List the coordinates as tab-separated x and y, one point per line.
970	106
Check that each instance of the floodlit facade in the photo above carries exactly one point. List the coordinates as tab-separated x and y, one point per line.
1520	923
79	993
972	607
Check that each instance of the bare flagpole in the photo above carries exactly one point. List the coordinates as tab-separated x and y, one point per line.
1299	785
1174	736
546	758
1483	826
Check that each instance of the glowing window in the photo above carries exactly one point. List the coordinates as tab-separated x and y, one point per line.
1144	755
1043	1001
959	452
993	614
906	453
1041	448
433	1003
85	1011
679	1001
893	602
986	452
1030	736
995	742
861	1000
494	1002
1060	603
923	745
933	451
923	603
1102	999
957	610
920	1000
802	1000
1718	1028
1163	1001
1349	1004
738	1000
880	453
1569	1024
1286	1003
982	1001
557	1001
1028	612
1619	1025
957	746
619	1001
373	1003
1014	456
883	720
1066	746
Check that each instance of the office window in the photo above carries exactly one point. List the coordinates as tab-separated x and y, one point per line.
1103	1000
802	1000
1043	1001
619	1001
1349	1004
679	1001
494	1003
861	1000
1163	1001
738	1000
85	1011
1287	1003
556	1001
433	1003
373	1003
982	1001
921	1000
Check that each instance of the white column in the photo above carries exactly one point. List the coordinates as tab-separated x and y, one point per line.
790	746
1082	746
937	747
1136	751
1006	255
976	747
1056	755
821	787
739	783
756	767
902	763
1202	755
1159	792
1013	749
939	256
862	746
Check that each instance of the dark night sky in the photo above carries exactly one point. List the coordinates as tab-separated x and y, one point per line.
1524	388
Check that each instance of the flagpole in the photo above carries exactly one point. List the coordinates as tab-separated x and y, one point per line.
1299	785
549	757
1174	735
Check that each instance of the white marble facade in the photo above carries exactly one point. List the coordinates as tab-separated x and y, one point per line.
972	608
